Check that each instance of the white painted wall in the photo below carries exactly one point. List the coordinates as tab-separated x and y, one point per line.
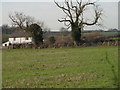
5	44
18	40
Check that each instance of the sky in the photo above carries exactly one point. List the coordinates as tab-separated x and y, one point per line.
52	0
49	13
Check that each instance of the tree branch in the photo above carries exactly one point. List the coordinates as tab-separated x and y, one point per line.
98	14
64	20
66	10
14	20
88	3
60	6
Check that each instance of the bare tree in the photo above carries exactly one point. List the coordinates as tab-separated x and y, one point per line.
23	21
18	19
75	17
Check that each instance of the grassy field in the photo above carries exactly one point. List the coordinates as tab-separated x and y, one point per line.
85	67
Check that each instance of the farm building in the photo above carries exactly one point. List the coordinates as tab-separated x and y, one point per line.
18	40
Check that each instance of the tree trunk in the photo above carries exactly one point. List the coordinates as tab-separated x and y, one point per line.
76	34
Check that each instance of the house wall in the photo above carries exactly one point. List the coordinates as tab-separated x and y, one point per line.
5	44
20	40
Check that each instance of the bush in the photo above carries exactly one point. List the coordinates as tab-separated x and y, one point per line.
36	33
52	40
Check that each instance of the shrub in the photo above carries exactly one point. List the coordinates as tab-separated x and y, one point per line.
52	39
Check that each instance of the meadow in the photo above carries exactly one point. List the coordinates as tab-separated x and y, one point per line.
83	67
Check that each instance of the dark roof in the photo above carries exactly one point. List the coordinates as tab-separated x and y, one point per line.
20	34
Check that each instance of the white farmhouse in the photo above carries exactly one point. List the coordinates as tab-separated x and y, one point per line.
18	40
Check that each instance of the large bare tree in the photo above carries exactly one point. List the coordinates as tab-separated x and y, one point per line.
75	17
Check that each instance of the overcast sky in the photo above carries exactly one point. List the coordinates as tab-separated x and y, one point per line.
49	13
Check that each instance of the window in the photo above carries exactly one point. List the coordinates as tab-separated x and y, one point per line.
5	45
14	39
26	38
9	44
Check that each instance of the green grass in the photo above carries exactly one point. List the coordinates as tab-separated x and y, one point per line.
108	33
116	38
84	67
